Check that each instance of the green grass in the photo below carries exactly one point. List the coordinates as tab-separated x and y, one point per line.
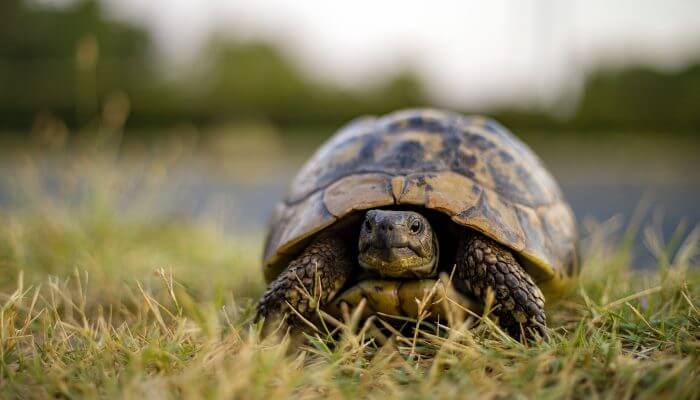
97	302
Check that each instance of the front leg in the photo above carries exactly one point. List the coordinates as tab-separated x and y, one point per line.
310	281
518	302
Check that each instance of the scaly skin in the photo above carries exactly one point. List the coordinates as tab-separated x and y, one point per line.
313	279
518	302
327	262
398	244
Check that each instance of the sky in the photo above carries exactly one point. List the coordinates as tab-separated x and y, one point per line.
470	53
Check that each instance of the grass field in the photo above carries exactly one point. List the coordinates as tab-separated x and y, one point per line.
102	302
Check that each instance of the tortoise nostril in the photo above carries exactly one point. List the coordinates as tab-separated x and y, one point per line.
390	227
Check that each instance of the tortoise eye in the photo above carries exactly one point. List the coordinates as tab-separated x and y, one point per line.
368	225
416	226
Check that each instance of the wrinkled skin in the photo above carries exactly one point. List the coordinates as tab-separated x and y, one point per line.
398	244
401	246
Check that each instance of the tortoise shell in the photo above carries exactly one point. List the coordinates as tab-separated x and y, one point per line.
470	168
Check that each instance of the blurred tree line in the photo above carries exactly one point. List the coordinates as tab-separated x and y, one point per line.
67	61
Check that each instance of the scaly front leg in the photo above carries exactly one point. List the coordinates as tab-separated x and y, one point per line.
518	302
310	281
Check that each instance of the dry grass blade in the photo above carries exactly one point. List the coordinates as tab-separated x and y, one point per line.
127	332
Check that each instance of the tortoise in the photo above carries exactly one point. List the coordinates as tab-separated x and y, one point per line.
388	203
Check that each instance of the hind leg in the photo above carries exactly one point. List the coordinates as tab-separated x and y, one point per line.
483	264
310	281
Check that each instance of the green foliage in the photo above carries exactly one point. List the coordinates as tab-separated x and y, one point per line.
74	58
64	60
55	31
254	80
641	97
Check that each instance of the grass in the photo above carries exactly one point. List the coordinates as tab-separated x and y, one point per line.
98	302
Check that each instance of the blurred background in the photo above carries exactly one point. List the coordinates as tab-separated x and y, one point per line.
203	111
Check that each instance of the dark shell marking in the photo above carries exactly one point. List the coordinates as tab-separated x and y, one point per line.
470	168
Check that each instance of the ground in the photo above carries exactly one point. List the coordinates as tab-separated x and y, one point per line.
100	302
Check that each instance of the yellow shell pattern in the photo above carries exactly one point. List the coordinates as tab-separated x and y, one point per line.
470	168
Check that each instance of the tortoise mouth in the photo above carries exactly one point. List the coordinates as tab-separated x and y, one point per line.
418	299
397	262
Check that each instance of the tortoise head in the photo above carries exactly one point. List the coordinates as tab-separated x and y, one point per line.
398	244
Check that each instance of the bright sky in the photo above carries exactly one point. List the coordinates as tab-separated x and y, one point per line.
471	53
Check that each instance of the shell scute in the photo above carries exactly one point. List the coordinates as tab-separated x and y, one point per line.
470	168
358	192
